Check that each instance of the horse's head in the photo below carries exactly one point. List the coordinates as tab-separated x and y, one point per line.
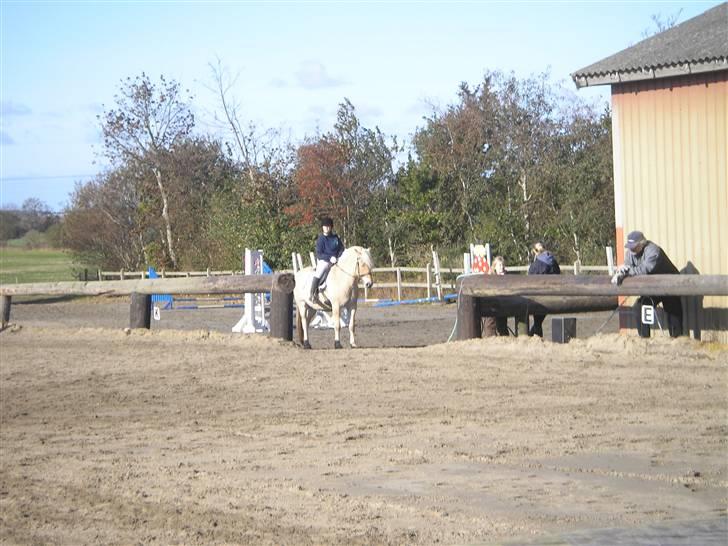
364	264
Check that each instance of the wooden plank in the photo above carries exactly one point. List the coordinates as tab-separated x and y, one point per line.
511	306
563	285
233	284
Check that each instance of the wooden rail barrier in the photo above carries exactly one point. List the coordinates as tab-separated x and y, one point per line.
280	285
519	296
563	285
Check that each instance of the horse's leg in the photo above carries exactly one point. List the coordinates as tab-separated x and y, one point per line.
336	315
352	324
303	312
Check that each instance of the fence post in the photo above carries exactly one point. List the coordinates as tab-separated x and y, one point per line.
438	275
121	275
610	260
140	313
98	274
281	314
399	284
468	318
5	309
428	279
577	267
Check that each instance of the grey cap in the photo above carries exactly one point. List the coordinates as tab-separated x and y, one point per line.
634	239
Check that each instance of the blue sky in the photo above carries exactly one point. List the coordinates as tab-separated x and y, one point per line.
62	63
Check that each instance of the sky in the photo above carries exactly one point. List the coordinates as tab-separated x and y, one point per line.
61	63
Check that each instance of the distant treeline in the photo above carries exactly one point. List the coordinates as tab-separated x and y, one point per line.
511	161
32	226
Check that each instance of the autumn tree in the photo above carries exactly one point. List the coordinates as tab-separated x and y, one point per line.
141	131
340	172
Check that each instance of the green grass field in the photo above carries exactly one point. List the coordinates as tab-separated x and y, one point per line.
44	265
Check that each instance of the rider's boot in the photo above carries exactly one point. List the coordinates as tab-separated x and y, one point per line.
314	288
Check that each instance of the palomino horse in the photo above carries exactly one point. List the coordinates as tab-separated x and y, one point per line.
342	290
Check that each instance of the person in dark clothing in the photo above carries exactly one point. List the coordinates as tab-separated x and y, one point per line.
644	257
543	263
329	249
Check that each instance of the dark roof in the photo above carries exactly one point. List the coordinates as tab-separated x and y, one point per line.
699	44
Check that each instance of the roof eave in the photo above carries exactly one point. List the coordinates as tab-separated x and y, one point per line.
650	73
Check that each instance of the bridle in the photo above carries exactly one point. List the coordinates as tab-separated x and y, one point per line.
362	270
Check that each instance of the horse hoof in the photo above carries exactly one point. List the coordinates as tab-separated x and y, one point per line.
306	345
337	345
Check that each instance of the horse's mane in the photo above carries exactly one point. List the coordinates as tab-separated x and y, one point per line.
364	253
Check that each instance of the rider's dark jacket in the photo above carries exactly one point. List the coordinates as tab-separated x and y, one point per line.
328	246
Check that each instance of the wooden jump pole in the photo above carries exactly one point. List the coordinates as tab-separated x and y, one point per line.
585	285
517	306
229	284
512	295
280	285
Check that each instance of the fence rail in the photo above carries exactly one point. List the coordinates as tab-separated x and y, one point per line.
434	282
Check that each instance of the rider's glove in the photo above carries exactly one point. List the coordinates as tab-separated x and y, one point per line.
333	259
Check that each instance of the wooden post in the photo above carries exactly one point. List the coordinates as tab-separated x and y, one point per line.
577	267
610	260
468	318
428	277
5	309
140	314
98	275
399	284
281	314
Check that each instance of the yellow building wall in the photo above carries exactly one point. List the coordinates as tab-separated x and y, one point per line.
671	181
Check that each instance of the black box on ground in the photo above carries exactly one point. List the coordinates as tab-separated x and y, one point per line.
563	329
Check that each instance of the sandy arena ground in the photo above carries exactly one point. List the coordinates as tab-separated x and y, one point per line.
189	434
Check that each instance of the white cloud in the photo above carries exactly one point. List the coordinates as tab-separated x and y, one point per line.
313	75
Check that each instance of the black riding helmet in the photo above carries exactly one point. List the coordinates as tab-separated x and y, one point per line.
326	221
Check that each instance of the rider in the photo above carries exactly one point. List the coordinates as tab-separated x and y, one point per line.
328	250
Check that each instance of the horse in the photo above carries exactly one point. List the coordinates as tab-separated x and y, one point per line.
341	291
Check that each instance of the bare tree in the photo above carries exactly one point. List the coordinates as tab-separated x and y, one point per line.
148	121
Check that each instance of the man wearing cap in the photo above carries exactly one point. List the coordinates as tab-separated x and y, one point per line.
644	257
329	249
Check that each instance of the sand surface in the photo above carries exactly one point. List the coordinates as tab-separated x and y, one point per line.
189	434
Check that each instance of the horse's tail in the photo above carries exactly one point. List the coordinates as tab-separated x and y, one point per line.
299	324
